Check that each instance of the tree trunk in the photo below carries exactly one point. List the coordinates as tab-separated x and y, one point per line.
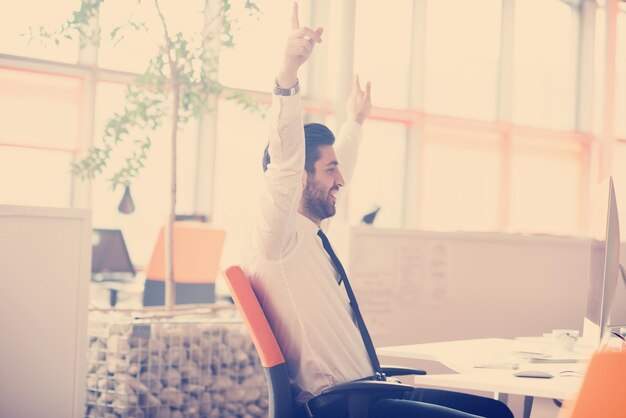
170	284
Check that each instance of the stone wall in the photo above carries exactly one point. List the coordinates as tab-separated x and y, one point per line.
190	366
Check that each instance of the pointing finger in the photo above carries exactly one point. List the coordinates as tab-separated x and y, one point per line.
357	84
295	21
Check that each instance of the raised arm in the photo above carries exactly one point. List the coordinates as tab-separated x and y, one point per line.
274	235
300	44
358	107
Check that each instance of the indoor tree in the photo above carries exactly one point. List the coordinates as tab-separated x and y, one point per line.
180	83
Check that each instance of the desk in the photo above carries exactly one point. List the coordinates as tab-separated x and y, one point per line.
461	356
121	294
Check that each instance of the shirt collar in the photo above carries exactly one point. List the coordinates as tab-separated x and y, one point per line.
309	224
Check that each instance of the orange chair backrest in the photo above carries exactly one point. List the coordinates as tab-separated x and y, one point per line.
197	252
254	317
603	390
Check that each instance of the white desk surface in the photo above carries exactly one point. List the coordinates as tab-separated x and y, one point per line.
461	356
556	388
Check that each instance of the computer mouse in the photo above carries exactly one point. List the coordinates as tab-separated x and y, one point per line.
534	374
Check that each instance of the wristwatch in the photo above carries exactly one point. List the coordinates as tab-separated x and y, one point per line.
279	91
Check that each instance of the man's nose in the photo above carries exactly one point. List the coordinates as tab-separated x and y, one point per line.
339	180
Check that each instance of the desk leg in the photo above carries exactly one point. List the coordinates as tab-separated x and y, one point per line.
502	397
113	297
528	405
528	402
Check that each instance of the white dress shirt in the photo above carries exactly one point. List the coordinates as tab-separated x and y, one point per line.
291	273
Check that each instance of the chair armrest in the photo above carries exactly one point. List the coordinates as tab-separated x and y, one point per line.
366	385
358	394
401	371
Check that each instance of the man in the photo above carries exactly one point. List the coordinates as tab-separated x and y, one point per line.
299	286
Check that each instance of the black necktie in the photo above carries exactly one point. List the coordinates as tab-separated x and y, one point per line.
365	335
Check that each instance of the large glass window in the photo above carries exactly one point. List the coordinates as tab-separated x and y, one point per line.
546	38
241	139
460	172
620	93
40	109
151	189
39	133
252	65
619	179
598	72
545	185
136	48
17	17
34	177
461	62
139	30
379	175
381	49
462	178
619	161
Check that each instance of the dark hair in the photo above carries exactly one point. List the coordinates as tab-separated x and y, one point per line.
315	136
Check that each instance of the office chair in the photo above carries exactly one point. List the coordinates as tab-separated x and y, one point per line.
197	251
281	404
602	391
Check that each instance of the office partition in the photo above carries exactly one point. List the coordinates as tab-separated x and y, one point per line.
45	257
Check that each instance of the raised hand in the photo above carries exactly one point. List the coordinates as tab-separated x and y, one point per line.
359	102
299	47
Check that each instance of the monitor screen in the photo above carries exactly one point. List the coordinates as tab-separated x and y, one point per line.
110	258
603	262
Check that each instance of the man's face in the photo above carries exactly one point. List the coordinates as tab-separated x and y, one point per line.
319	195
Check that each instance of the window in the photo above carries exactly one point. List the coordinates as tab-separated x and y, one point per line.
619	161
35	177
151	190
39	133
250	65
378	27
474	172
40	110
545	64
620	93
619	177
14	24
241	139
598	68
379	175
461	172
545	191
138	45
461	61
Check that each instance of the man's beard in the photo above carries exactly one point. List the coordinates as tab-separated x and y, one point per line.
317	201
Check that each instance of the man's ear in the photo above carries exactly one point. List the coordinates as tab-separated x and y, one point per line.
304	177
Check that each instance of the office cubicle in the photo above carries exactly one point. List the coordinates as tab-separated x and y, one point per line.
418	286
45	257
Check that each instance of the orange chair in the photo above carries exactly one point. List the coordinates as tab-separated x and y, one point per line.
280	396
603	390
197	252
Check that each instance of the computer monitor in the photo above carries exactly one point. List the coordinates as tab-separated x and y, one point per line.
603	263
109	257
